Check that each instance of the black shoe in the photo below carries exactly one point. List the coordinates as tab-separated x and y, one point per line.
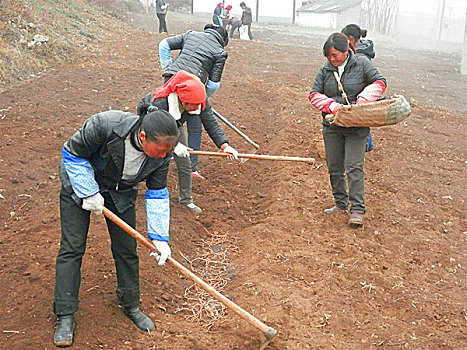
63	335
141	321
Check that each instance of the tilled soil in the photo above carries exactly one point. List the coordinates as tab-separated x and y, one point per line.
398	283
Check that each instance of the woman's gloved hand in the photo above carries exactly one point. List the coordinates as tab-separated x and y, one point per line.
232	151
181	150
164	250
94	204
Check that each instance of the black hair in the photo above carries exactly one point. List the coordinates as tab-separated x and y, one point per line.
221	30
157	124
337	41
355	31
242	4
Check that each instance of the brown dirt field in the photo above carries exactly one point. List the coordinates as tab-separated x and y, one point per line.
398	283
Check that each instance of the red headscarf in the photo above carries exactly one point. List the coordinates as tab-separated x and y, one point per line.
221	4
188	87
228	7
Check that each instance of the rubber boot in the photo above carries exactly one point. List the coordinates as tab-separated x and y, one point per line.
63	336
141	321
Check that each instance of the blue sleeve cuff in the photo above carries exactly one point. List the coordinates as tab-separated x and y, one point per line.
81	175
158	214
157	194
212	87
165	57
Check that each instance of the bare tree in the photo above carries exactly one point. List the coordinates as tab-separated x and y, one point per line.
380	14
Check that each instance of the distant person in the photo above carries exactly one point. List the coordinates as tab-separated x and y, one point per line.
184	97
235	23
345	146
161	12
217	15
201	54
226	16
102	164
247	18
361	48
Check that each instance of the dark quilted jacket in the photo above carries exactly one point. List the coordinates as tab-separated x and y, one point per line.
358	73
202	54
365	47
101	141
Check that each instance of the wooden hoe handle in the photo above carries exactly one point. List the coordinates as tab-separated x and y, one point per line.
254	156
268	332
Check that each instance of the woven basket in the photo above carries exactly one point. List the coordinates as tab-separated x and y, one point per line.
380	113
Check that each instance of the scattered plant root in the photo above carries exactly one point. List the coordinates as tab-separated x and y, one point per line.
214	267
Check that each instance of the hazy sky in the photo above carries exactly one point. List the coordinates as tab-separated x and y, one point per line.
433	6
284	8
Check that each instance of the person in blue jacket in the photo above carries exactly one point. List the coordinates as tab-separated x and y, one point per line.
102	164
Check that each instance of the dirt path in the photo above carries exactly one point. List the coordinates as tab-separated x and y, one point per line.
399	283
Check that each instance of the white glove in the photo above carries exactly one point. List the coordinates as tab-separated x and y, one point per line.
164	249
232	151
181	150
94	203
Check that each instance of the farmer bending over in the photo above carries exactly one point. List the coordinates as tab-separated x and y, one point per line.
184	97
102	164
201	54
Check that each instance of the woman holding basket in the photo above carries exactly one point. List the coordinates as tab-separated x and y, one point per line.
345	79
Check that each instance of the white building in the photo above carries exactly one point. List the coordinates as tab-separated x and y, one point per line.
329	14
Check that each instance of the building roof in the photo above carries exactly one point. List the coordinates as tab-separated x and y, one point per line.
320	6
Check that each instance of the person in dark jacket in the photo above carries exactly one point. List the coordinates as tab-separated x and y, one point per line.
184	97
345	146
247	18
202	54
362	48
161	12
217	15
102	163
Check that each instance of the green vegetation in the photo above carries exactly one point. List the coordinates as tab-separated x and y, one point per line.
89	35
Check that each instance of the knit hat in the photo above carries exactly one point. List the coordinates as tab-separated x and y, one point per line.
187	86
221	4
228	7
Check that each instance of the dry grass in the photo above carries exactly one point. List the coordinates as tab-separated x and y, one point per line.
212	264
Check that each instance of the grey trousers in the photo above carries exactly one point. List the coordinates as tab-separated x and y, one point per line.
345	154
75	225
184	173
